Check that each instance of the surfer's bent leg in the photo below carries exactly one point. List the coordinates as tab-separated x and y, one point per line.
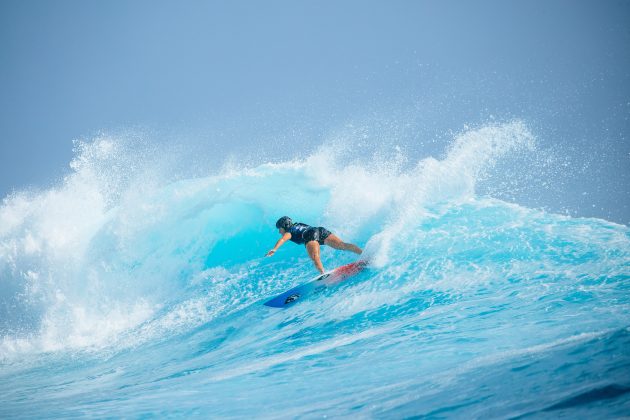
333	241
312	247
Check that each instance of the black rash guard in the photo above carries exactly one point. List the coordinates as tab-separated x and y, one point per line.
302	233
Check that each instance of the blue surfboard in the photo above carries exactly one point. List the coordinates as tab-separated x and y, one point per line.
321	282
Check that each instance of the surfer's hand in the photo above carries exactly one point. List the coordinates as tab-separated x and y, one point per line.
270	253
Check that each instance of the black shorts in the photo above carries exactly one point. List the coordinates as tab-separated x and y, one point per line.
318	234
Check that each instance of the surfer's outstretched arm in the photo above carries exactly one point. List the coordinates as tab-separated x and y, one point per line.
282	240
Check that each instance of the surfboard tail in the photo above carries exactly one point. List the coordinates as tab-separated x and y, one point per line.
341	273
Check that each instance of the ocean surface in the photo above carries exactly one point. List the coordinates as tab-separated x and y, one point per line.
127	291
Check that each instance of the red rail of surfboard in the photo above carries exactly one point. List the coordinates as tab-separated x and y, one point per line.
345	271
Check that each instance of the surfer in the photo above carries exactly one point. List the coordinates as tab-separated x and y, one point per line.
312	237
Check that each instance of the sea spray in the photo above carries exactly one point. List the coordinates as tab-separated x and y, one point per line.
125	291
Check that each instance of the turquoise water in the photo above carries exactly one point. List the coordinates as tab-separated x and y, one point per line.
125	295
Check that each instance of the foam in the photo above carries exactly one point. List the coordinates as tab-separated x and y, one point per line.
119	245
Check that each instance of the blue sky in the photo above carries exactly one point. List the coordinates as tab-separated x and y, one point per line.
295	70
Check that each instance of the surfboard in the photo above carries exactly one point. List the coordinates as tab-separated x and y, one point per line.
321	282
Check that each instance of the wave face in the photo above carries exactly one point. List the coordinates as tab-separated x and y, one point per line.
126	293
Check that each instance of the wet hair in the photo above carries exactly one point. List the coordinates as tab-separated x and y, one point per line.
284	222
